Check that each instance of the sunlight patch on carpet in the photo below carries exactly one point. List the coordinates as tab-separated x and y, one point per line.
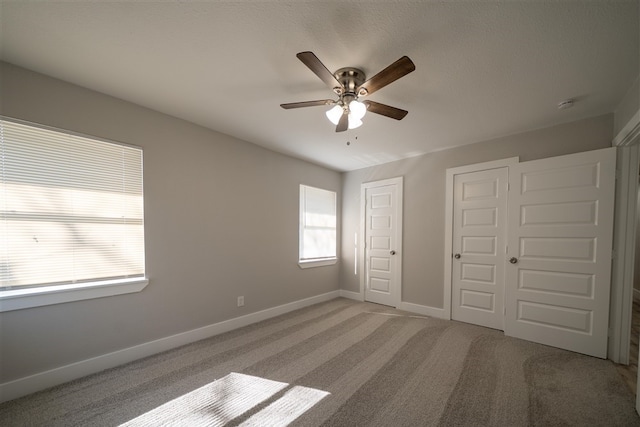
227	398
283	411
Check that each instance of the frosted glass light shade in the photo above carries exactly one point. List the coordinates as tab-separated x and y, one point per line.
357	109
354	123
334	114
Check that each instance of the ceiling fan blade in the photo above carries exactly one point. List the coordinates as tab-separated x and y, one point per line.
343	124
393	72
385	110
307	104
311	60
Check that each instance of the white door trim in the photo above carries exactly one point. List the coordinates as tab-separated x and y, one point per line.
398	181
448	228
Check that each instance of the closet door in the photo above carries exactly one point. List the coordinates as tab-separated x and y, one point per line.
559	251
479	238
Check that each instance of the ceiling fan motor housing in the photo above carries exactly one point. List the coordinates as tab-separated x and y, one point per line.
350	78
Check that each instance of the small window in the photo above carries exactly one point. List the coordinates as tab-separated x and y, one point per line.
317	227
71	213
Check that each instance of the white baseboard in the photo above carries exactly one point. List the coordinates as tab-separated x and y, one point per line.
351	295
40	381
425	310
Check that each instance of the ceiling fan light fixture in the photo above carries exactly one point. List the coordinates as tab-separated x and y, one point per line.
357	110
353	122
334	114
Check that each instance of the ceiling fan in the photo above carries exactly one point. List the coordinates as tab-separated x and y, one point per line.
350	85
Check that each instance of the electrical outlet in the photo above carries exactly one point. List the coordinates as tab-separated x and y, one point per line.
240	301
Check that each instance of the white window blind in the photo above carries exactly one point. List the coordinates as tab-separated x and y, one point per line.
71	208
317	223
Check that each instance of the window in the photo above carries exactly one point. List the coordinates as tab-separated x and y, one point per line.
71	217
317	227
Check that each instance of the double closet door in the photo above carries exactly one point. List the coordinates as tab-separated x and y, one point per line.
532	249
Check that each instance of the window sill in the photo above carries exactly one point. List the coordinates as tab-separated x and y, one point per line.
317	262
18	299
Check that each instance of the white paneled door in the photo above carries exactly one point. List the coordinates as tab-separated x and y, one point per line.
479	241
559	251
382	236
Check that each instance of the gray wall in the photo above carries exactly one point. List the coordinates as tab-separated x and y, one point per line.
221	221
629	105
424	198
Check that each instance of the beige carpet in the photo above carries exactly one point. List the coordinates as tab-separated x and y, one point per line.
343	363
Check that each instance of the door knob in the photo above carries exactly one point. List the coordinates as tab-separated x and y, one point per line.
457	256
392	252
513	260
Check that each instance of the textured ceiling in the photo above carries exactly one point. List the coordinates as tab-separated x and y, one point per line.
483	69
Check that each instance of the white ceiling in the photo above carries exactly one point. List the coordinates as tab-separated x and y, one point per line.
483	69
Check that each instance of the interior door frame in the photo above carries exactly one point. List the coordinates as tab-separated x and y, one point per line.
398	181
448	228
